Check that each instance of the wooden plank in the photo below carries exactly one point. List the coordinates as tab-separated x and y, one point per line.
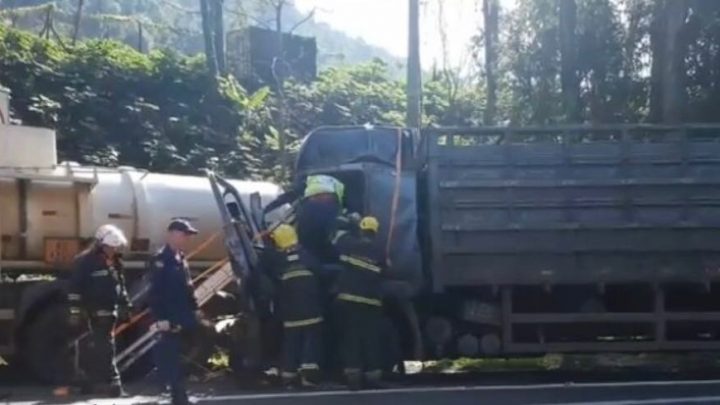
598	347
7	314
620	317
660	321
605	317
506	316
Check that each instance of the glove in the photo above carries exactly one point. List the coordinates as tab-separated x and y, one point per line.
75	318
123	314
161	326
202	320
354	218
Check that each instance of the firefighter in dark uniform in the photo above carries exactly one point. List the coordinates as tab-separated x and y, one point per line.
358	304
299	305
172	304
321	204
98	296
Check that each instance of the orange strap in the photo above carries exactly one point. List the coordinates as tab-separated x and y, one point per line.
396	197
137	317
203	245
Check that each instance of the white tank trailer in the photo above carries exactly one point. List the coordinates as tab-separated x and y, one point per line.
50	210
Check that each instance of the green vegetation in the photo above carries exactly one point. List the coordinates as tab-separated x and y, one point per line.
579	363
175	24
550	61
112	105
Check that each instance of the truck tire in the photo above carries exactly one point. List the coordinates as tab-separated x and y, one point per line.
45	349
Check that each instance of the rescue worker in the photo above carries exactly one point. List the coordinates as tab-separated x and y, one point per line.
321	205
98	297
299	307
172	304
358	304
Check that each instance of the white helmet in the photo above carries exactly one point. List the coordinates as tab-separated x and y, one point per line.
111	235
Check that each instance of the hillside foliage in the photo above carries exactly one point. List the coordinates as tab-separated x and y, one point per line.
554	62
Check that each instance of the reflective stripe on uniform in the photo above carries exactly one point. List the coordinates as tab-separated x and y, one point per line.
104	312
304	322
288	374
296	273
74	297
359	300
322	184
338	235
293	258
309	366
100	273
74	311
360	263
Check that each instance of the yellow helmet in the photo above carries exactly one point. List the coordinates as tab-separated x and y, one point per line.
369	224
284	236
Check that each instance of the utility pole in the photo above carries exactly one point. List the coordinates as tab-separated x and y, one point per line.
414	80
209	36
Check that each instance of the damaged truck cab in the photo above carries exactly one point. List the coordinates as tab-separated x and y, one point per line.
378	167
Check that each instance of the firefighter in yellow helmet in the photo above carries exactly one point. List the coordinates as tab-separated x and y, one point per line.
298	302
358	303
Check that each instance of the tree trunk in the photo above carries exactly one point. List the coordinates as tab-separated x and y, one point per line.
490	18
657	39
674	96
210	54
78	19
278	71
569	60
219	35
414	79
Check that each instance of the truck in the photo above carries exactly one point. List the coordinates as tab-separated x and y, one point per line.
499	241
528	240
49	212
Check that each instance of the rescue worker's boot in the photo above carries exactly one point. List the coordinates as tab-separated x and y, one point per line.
107	390
178	396
353	378
289	380
117	391
373	380
309	378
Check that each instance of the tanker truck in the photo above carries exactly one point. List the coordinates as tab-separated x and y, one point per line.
516	241
48	213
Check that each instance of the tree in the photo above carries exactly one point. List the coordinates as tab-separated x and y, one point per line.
491	10
218	23
569	60
674	96
669	48
206	10
414	80
78	18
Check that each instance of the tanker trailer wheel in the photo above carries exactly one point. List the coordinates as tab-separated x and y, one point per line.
45	348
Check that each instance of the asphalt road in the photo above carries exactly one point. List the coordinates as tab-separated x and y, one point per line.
590	393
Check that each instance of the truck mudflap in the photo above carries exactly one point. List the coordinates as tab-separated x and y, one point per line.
241	230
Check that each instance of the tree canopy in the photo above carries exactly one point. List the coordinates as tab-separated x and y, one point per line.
543	62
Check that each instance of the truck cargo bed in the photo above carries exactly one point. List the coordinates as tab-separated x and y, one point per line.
573	205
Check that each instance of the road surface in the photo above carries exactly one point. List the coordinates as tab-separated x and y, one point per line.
660	392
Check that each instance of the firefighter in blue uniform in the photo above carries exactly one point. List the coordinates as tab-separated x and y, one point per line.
172	304
98	296
299	305
358	304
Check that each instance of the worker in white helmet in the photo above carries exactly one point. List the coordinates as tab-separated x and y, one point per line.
98	298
